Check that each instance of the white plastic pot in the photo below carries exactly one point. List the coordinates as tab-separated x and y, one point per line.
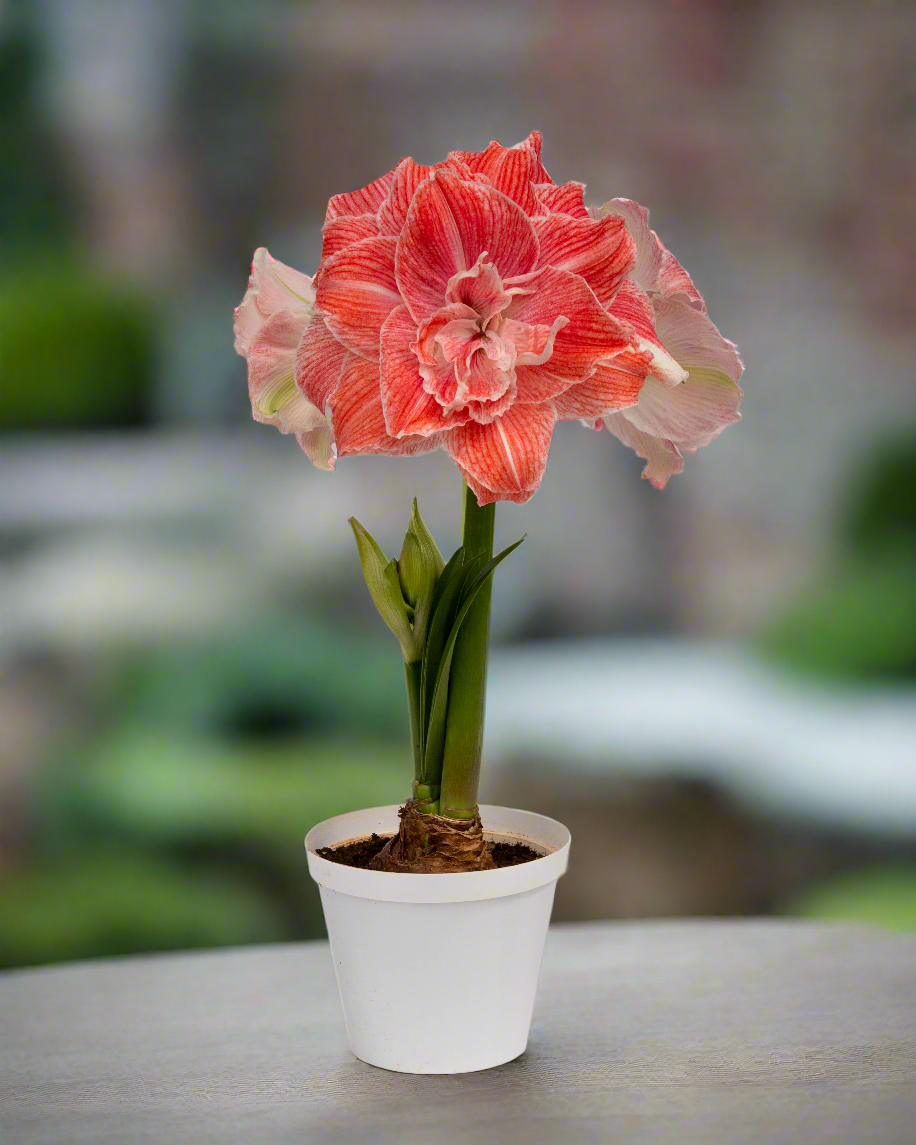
438	973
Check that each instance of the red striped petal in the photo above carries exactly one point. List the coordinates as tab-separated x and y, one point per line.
357	418
590	335
450	224
599	250
366	200
319	361
615	385
511	170
344	231
393	212
408	408
504	460
356	291
565	199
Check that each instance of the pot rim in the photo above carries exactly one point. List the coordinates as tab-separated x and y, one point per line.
538	831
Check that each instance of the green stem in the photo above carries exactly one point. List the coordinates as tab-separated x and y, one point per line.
468	681
412	677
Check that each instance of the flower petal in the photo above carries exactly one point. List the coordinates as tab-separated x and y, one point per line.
695	411
511	170
590	335
408	408
648	248
673	279
275	398
663	458
692	340
366	200
272	286
480	288
504	460
657	270
450	224
600	250
318	445
615	385
357	418
632	305
565	199
393	212
357	291
319	361
533	344
344	231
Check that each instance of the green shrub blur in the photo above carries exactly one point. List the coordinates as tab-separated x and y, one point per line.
77	350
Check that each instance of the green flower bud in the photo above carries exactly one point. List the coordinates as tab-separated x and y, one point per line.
385	589
419	567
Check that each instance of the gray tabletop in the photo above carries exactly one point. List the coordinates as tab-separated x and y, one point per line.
685	1032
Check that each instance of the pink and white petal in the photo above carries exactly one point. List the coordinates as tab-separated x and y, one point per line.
339	233
673	279
454	337
600	250
591	334
275	398
649	251
480	288
318	445
632	305
663	459
365	201
512	170
695	411
533	344
505	459
408	408
692	339
356	291
319	362
357	419
272	286
565	199
425	346
451	222
615	385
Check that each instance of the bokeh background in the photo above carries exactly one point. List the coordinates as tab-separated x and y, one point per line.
714	686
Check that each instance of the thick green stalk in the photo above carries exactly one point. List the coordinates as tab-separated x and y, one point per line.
468	681
415	711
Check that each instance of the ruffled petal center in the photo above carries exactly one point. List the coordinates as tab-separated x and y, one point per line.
468	349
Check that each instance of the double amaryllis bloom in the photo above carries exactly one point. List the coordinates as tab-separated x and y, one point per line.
470	306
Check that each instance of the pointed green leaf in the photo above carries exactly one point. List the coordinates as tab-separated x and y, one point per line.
384	587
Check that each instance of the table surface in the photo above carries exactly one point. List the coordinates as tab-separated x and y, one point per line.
706	1032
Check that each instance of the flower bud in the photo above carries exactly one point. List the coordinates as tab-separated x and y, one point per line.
385	589
419	567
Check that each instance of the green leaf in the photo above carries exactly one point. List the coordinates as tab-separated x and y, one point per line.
442	615
435	733
384	588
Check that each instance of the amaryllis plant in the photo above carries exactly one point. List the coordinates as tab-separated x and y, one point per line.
470	306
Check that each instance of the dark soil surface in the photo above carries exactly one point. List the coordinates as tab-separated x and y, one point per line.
360	852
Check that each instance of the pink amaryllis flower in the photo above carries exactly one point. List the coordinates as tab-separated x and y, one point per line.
269	324
692	391
468	305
